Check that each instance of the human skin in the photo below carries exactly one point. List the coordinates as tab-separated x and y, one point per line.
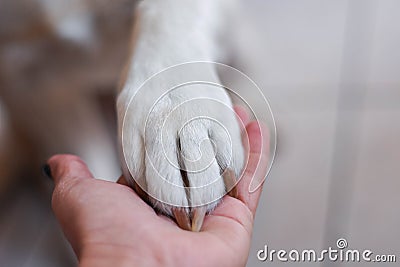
108	224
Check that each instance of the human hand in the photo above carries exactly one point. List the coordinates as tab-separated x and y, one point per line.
108	224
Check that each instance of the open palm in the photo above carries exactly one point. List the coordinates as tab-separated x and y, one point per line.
107	223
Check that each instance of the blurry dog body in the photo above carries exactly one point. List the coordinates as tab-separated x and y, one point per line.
58	60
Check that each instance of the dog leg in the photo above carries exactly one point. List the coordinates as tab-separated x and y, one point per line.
178	142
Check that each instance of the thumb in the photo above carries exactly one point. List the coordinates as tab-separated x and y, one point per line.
68	173
61	167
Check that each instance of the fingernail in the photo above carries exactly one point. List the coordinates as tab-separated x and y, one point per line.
47	171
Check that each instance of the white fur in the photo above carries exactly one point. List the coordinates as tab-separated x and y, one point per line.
192	127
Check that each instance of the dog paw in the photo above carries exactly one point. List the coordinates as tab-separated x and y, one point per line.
182	149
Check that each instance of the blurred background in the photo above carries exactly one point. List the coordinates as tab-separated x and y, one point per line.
331	73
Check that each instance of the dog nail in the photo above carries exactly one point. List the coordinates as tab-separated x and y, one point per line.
182	218
47	171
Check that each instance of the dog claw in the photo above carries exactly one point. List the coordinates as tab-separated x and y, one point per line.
230	183
199	214
182	218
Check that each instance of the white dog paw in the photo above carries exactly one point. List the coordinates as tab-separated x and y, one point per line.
179	146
